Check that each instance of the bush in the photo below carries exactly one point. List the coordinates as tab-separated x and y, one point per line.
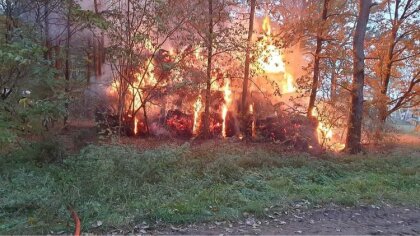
48	151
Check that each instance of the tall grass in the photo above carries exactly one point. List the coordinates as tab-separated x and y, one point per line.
121	185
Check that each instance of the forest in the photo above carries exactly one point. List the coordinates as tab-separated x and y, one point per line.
209	117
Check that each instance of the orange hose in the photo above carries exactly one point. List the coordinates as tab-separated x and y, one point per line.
76	221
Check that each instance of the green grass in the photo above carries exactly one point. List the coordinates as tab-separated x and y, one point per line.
121	186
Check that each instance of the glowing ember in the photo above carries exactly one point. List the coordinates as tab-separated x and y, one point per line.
225	109
337	147
197	108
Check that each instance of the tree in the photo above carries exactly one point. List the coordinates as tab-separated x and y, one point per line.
244	105
317	55
395	53
221	34
137	33
29	94
354	130
209	42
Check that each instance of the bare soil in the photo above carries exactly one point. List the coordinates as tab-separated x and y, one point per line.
332	220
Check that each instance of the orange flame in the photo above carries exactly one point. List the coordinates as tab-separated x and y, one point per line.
288	85
225	109
150	74
323	131
253	127
136	122
197	108
266	25
325	134
113	88
271	59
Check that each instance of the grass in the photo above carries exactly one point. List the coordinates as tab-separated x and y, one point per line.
121	185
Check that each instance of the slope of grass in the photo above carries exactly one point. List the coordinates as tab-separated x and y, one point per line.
120	185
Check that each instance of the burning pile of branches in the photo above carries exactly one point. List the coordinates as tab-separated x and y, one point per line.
292	130
152	95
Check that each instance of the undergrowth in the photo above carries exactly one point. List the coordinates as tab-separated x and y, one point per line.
121	185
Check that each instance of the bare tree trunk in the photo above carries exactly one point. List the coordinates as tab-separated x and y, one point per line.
383	109
9	25
95	57
98	44
67	60
146	119
58	59
206	127
88	62
247	64
354	126
48	52
315	78
95	3
333	80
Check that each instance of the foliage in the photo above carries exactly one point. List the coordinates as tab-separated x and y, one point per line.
120	185
30	93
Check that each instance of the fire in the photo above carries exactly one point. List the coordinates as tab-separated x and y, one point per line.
225	109
150	74
271	58
325	134
266	25
197	108
325	131
135	91
288	86
136	122
113	89
253	126
198	54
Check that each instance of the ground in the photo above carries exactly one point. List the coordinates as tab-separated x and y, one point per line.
330	220
165	186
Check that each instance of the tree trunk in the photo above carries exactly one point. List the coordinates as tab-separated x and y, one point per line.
8	21
95	3
146	119
206	127
244	107
383	109
88	62
48	52
315	78
95	57
98	56
354	126
333	80
67	60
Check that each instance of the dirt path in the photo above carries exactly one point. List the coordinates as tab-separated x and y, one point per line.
332	220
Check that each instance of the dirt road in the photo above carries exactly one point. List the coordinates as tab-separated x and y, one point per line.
331	220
